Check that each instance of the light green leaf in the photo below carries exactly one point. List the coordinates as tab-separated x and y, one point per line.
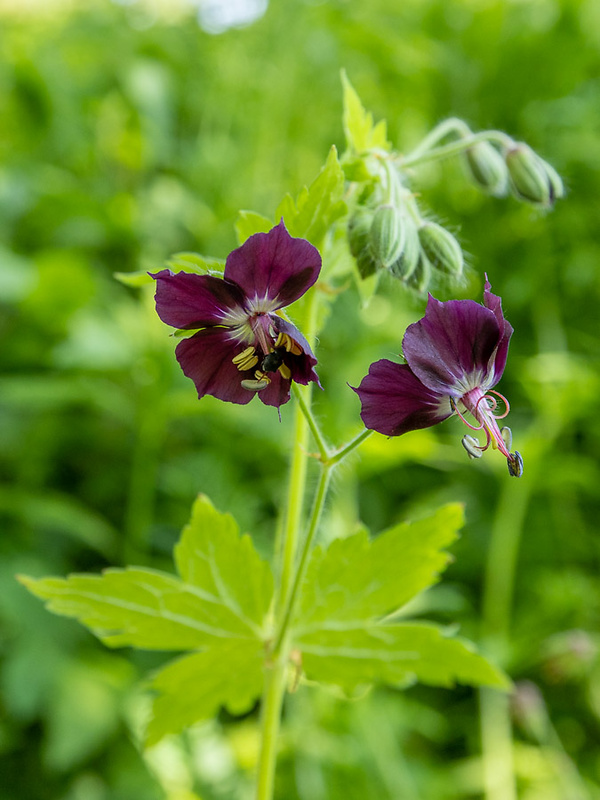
212	556
248	223
192	262
317	207
196	686
358	579
134	279
225	592
395	654
361	133
138	607
180	262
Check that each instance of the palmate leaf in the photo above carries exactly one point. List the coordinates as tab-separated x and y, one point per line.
218	605
139	607
196	686
224	592
356	582
397	655
357	579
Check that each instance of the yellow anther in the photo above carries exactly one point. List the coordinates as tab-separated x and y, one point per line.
286	372
246	359
286	341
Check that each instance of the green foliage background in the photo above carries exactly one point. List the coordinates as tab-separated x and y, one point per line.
129	133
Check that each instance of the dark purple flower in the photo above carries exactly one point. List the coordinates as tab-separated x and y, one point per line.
241	345
454	357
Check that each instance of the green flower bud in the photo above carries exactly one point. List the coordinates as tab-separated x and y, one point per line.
358	240
387	234
441	248
421	277
406	263
487	168
533	179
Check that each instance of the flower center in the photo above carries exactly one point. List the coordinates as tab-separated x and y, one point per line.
487	410
271	353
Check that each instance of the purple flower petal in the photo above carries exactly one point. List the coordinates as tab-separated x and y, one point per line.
494	303
274	265
277	393
395	401
450	350
185	300
206	358
301	365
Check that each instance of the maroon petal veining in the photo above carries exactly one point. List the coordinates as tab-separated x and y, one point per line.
206	358
451	345
186	300
394	401
274	265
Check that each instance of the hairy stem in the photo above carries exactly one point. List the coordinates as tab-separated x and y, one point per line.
419	156
306	412
445	128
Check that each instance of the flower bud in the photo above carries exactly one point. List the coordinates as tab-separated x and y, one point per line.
441	248
404	266
358	239
421	276
487	168
532	179
387	235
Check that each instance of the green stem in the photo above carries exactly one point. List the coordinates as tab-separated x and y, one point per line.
454	148
312	423
297	481
445	128
496	728
315	517
340	454
270	723
295	502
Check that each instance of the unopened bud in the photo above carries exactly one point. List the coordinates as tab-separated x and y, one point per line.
358	239
404	266
441	248
532	178
487	168
421	276
472	446
387	235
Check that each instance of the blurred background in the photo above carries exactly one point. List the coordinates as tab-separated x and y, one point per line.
131	130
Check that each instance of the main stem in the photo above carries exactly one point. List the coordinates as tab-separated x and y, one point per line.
496	728
275	669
